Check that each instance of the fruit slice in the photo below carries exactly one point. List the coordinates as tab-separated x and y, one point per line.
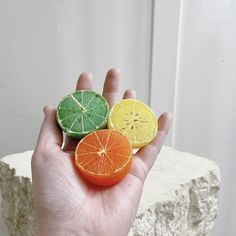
82	112
135	120
103	157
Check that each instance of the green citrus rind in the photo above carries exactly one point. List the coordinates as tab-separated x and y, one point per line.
82	112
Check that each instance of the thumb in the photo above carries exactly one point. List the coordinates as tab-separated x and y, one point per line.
50	135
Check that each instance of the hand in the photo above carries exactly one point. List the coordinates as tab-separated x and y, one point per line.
65	203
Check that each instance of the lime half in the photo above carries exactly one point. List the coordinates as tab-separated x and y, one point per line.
82	112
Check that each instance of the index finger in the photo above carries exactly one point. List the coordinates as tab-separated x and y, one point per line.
84	83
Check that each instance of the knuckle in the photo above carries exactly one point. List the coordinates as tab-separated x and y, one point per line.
139	170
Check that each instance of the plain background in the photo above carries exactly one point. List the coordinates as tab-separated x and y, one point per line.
179	55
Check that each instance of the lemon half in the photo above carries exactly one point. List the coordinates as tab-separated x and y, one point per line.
135	120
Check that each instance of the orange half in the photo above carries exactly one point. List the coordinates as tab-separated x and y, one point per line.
103	157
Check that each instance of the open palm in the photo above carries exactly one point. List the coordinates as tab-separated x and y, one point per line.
65	203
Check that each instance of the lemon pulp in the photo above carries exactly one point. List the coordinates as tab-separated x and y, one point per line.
135	120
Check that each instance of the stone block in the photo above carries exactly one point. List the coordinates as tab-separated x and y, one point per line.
179	197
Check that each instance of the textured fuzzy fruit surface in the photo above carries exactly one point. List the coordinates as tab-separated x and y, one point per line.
82	112
135	120
103	157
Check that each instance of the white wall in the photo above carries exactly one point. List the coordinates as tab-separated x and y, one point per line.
45	45
205	109
165	31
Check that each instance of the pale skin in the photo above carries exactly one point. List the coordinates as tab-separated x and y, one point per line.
65	203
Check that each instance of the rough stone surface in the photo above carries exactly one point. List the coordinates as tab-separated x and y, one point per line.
179	198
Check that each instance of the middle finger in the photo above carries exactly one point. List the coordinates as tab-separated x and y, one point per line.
111	86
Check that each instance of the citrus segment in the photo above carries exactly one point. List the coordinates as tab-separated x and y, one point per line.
103	157
82	112
135	120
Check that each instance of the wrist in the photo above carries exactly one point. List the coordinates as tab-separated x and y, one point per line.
49	232
59	230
